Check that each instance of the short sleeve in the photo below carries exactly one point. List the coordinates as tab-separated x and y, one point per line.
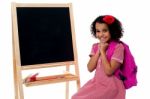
94	49
118	54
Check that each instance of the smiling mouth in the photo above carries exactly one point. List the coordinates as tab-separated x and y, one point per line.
103	39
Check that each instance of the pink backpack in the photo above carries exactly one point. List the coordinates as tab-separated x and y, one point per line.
127	73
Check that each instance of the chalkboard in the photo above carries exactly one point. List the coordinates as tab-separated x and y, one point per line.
45	35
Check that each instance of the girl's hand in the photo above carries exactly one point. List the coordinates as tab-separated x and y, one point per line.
103	47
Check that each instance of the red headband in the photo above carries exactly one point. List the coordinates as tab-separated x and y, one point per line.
108	19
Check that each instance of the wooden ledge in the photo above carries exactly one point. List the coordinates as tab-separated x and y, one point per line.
52	79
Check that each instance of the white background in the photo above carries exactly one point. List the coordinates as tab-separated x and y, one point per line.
133	14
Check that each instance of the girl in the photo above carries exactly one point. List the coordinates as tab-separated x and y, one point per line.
105	85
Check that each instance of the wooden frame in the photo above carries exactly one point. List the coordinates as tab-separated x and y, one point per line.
18	80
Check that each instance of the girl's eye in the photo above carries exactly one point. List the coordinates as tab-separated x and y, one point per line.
97	31
105	30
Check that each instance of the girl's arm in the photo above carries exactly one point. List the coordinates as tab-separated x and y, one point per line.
116	60
109	67
93	61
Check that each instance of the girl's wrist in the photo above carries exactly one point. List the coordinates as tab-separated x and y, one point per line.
103	53
98	53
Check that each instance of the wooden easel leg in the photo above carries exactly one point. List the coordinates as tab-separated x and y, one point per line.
16	84
78	84
20	83
67	90
77	73
67	84
17	69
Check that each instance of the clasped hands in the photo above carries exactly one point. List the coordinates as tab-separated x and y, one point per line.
103	47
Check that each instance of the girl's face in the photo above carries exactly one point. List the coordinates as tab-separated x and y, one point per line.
102	32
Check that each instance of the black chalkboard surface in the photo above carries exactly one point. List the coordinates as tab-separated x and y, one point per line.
44	35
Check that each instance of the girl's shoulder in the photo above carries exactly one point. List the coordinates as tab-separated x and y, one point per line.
95	47
113	45
119	46
95	44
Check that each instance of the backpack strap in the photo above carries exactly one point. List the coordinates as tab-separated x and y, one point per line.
111	48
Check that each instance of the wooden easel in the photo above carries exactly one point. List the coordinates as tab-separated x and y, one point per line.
18	68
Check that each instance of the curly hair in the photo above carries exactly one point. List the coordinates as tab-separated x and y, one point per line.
115	28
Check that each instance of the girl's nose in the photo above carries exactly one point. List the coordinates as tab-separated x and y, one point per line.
102	34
